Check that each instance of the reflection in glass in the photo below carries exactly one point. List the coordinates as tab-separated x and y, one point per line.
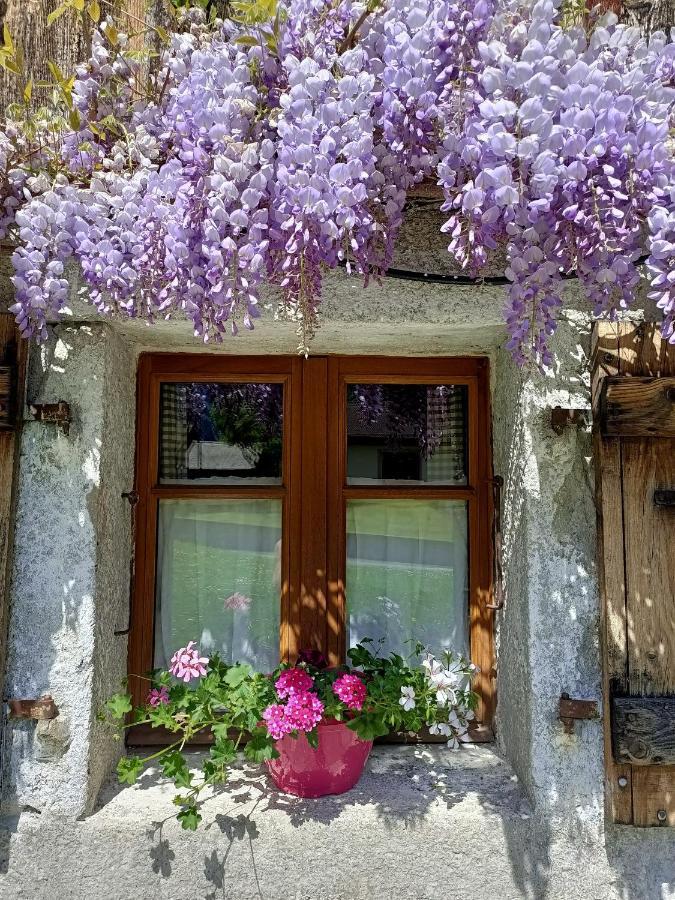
219	579
406	432
220	433
407	573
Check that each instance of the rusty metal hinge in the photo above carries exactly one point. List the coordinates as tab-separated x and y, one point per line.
42	708
53	413
132	496
572	709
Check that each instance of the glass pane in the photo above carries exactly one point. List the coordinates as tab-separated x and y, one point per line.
407	573
220	433
406	432
219	579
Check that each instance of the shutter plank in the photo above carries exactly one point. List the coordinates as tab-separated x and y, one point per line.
639	407
607	453
653	787
643	730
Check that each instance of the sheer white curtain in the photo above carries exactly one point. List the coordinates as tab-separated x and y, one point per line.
407	573
218	579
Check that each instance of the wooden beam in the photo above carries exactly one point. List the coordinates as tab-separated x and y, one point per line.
638	407
643	730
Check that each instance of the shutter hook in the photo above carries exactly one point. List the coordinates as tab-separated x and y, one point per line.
497	485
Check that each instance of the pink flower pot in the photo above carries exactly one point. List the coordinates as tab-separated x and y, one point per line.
333	768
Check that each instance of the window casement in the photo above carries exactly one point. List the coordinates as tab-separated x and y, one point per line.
288	504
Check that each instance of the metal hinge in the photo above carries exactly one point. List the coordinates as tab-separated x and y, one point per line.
53	413
572	709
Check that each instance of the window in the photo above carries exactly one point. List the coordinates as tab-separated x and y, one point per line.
288	503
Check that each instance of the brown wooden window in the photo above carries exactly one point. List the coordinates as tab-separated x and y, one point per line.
288	503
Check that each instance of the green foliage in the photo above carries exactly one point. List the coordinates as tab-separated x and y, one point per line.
118	706
229	700
129	768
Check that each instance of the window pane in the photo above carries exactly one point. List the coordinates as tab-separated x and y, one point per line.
406	432
220	433
218	579
407	573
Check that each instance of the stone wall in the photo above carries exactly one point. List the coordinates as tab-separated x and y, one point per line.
70	584
521	819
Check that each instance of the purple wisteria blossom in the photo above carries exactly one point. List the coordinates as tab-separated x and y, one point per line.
267	154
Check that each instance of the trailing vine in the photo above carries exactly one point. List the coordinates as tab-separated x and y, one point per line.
281	141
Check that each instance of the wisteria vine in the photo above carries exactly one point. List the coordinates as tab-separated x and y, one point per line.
270	147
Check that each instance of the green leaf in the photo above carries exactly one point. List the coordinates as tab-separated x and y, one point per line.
57	13
28	90
162	34
7	38
78	5
119	705
223	752
94	11
112	34
129	768
175	767
260	747
313	738
369	726
237	674
247	40
189	818
74	119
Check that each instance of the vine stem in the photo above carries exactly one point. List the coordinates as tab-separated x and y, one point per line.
350	38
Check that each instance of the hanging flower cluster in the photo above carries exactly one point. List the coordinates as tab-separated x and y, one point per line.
267	150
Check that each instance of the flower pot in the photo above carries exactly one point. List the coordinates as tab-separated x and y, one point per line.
333	768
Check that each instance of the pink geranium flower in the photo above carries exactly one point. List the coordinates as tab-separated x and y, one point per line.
276	721
304	711
158	696
351	690
293	681
187	664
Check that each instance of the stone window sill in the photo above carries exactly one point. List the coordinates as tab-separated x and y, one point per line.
401	783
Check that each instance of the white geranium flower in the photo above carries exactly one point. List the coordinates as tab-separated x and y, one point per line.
453	744
440	728
407	699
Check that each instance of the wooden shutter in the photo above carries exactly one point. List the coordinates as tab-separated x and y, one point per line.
12	379
634	411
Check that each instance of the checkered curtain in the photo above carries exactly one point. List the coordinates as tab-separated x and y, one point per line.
446	417
173	432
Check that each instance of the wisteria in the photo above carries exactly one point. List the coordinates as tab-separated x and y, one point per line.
266	150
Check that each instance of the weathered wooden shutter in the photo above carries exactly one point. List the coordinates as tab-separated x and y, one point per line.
12	378
634	415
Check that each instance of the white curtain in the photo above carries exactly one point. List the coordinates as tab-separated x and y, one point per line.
218	579
407	574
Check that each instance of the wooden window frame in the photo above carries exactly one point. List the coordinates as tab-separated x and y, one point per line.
314	492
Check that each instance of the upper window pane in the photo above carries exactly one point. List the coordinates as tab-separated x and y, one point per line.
415	433
220	433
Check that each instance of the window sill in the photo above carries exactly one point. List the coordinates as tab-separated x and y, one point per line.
404	782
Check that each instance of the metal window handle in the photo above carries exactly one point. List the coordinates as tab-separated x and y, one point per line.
497	485
664	497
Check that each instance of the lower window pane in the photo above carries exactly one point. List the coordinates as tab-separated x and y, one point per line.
407	573
218	579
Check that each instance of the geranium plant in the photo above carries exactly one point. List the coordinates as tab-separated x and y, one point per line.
249	711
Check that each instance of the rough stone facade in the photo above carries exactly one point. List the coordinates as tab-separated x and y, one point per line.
523	818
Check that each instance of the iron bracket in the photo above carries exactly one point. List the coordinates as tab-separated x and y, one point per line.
572	709
53	413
